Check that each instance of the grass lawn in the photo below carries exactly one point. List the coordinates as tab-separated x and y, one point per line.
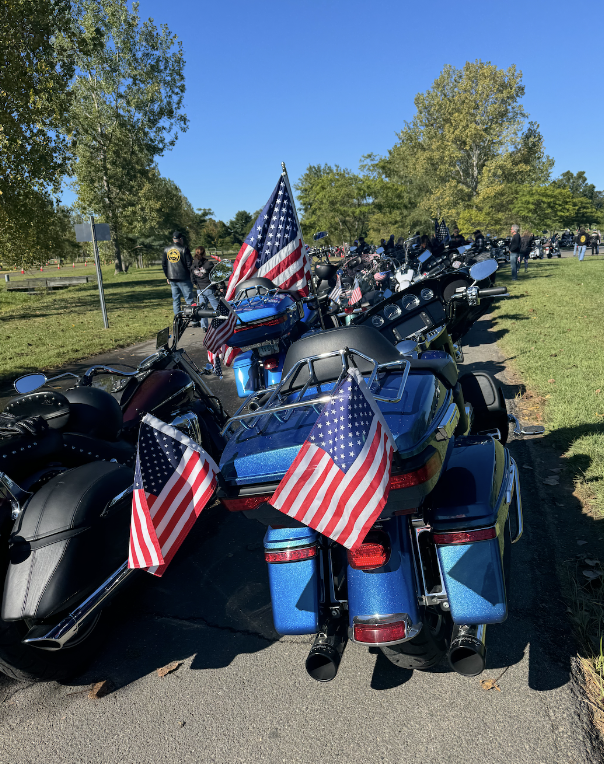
43	331
552	330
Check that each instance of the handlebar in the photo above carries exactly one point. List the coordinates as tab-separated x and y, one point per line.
194	311
493	292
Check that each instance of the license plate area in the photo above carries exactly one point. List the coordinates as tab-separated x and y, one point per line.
270	348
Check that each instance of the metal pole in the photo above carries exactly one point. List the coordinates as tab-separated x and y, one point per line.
99	273
312	283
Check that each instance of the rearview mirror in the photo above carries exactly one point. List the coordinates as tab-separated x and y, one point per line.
220	272
29	383
483	269
352	249
379	251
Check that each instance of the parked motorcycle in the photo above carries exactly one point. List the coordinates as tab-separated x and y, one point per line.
433	570
66	494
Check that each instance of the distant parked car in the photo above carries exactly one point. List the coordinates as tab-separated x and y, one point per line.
566	240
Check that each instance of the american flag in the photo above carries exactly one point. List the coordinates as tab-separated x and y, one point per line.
173	481
355	295
336	292
442	232
339	482
221	327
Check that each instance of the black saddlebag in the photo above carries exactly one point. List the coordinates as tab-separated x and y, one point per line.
69	539
21	455
485	395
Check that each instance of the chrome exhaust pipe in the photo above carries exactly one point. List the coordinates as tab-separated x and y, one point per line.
326	652
56	637
468	651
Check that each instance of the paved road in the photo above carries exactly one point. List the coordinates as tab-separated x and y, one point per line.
242	695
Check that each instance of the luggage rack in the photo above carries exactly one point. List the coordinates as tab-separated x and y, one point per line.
282	411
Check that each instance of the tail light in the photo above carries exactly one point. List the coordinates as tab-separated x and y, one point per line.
465	537
376	633
348	310
271	363
243	503
373	553
290	555
268	322
418	476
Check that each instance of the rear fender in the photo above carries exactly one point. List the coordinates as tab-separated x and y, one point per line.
72	535
390	591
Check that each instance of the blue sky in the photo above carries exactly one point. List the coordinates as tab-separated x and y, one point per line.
317	81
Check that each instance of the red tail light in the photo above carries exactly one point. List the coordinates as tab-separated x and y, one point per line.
375	633
465	537
268	322
373	553
243	503
290	555
271	363
418	476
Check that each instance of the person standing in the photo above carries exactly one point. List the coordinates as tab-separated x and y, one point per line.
581	241
176	264
456	240
526	244
515	251
200	276
595	242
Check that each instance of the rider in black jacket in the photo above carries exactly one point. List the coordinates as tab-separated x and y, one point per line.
457	240
176	262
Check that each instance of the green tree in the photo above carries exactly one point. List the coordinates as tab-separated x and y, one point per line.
240	225
468	135
216	234
127	106
578	186
551	207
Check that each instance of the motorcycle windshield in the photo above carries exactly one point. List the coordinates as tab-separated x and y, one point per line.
264	453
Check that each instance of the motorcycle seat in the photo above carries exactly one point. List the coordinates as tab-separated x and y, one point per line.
53	407
21	455
249	288
81	449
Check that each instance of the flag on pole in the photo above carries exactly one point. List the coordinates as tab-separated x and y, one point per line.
339	482
442	232
174	479
274	247
221	327
336	292
355	295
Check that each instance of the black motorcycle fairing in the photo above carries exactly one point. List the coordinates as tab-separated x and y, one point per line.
53	407
80	449
21	455
67	541
94	412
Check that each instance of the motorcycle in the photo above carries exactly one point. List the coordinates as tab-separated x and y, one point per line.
432	572
551	249
66	495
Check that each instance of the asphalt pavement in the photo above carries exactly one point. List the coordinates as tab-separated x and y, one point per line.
242	695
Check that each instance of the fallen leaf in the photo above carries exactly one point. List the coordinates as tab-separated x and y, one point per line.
490	684
592	574
551	381
100	689
598	391
165	670
553	480
580	543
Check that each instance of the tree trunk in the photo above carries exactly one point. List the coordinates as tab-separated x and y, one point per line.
113	216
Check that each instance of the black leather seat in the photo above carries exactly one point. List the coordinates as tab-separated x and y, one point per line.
82	449
249	288
367	340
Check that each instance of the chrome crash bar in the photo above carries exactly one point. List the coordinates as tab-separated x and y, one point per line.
346	356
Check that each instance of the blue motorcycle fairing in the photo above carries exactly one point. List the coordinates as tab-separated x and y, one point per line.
294	586
391	589
264	453
263	308
471	495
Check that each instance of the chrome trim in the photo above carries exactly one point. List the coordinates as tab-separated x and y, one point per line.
411	629
89	373
57	636
515	484
518	427
459	356
118	498
448	423
189	424
188	386
427	598
17	496
346	359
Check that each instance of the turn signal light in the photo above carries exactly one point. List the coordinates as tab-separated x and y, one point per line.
290	555
373	553
465	537
243	503
271	363
418	476
376	633
268	322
